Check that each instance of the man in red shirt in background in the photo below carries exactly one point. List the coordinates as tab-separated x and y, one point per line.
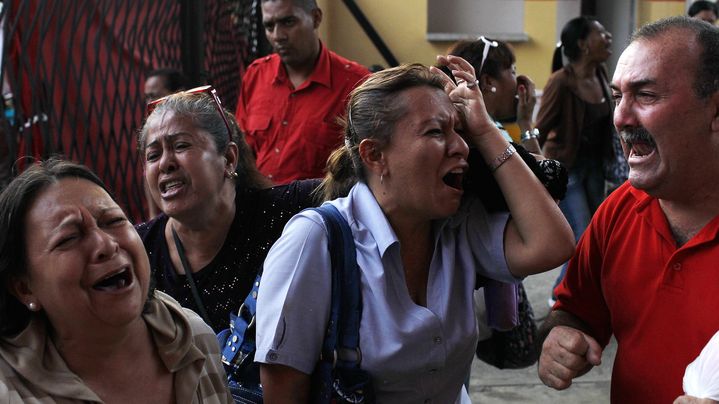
290	101
647	268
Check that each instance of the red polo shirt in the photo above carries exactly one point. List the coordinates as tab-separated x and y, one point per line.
661	302
293	131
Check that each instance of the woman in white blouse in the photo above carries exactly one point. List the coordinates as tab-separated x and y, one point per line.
420	242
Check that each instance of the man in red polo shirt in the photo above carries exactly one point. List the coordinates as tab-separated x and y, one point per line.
647	268
290	101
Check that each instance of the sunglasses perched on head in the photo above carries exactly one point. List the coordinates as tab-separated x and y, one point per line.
209	90
485	50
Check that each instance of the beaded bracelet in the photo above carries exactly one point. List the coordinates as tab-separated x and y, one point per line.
502	158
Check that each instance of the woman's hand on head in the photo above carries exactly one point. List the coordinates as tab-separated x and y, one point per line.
466	96
527	101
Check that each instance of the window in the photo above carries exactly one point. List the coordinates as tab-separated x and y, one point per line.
452	20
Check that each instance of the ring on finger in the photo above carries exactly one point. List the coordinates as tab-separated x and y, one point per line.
460	81
472	83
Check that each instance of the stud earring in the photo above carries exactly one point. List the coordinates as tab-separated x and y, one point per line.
493	89
32	306
231	174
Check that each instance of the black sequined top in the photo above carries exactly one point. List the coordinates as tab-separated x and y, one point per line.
224	283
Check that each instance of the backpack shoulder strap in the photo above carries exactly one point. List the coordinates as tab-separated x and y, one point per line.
341	343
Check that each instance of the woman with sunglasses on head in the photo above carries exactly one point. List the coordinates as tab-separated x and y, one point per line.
220	215
79	319
575	121
421	241
507	96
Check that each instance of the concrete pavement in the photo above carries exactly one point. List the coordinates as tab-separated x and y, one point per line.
490	385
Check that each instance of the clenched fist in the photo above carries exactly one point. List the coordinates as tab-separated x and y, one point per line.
567	353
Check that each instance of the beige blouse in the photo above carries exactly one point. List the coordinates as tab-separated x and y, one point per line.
32	370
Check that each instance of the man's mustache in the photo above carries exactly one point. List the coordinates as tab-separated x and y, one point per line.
637	135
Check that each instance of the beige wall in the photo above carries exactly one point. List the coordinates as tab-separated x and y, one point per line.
405	33
402	24
653	10
534	58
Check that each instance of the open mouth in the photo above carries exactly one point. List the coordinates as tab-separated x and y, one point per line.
641	149
453	179
170	186
114	282
640	142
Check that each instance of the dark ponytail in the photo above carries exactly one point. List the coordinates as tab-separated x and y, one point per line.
574	31
341	175
557	62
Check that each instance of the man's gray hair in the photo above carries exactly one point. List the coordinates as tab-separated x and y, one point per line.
706	35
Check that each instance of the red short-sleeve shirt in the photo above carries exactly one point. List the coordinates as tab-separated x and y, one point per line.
628	278
293	131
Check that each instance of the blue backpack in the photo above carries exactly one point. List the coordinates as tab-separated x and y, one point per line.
337	377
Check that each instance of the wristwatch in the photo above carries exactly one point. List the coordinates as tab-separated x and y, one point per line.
530	134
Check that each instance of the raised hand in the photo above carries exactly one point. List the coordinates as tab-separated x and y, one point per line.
527	100
467	97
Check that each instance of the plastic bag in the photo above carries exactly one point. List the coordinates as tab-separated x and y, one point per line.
701	378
